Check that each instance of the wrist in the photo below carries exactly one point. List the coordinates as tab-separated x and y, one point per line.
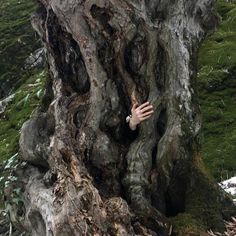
132	124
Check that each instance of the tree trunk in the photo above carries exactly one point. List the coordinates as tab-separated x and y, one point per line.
86	176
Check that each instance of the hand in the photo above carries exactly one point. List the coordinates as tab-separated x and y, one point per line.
140	113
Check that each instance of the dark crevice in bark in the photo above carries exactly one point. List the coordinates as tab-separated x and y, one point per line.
79	115
156	198
65	159
162	123
102	15
49	178
157	10
67	56
38	223
105	55
41	169
74	68
161	127
135	54
154	153
135	57
160	69
175	197
105	180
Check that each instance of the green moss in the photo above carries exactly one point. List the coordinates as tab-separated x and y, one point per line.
217	86
18	39
223	8
26	99
184	225
219	128
205	210
201	199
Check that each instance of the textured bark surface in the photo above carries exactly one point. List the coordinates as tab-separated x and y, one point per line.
86	176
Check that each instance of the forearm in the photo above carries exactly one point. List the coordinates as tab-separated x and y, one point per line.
129	134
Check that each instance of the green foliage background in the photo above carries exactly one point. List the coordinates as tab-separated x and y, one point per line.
217	94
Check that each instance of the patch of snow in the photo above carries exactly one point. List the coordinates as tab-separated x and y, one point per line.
229	186
10	161
226	71
35	60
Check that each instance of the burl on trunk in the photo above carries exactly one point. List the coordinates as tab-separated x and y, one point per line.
86	175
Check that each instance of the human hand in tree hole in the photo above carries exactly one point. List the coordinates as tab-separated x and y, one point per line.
140	113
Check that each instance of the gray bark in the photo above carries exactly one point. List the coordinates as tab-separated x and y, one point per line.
85	177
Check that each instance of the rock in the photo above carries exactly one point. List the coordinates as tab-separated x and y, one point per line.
35	60
34	139
7	86
4	103
4	222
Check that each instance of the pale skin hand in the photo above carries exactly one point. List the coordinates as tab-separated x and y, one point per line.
140	113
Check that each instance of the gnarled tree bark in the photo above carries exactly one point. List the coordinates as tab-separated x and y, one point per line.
85	176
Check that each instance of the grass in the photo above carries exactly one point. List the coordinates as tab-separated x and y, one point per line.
217	91
18	39
26	99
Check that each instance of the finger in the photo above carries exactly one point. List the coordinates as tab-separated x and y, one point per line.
135	105
147	108
144	118
143	105
147	113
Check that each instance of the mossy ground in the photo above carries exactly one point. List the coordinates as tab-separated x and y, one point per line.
185	225
26	99
18	39
217	91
